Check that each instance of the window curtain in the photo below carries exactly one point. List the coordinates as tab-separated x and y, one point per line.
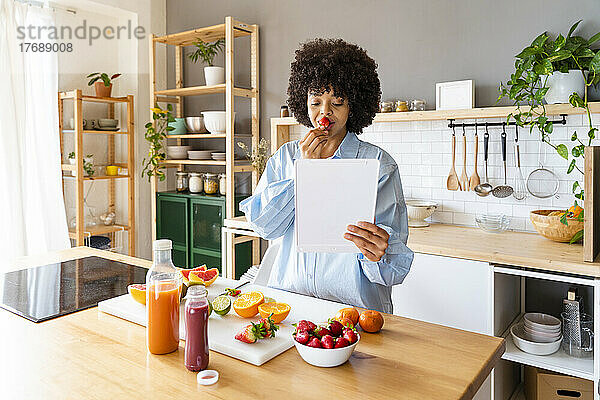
32	208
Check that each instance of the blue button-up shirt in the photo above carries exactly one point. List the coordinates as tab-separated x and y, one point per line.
346	278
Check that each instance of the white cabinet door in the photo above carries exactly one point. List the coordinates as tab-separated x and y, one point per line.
447	291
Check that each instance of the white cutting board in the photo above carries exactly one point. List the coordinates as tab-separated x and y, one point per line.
222	330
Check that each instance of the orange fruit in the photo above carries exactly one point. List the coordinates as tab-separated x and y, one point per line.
346	322
351	313
371	321
574	211
246	305
138	292
280	311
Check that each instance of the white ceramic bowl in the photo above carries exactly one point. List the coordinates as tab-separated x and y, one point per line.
542	322
178	152
215	121
418	210
325	357
195	124
521	340
199	154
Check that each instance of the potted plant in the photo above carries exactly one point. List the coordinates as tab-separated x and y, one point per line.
529	85
156	133
102	83
207	52
258	157
88	164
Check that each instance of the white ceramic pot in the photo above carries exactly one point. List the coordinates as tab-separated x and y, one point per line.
561	85
214	75
86	160
418	210
216	121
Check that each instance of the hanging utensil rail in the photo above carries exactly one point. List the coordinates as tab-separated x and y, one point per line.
452	124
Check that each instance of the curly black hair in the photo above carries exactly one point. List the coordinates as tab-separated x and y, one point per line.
346	68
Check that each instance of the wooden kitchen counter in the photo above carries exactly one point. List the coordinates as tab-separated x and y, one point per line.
511	248
90	354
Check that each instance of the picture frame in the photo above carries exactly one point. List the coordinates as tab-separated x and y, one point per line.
456	95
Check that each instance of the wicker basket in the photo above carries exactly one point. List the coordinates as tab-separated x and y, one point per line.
551	228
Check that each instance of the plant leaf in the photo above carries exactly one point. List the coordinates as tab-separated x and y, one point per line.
575	186
571	167
573	28
594	39
562	151
563	219
560	55
577	237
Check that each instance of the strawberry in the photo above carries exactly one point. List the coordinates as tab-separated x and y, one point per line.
314	342
305	326
321	331
341	342
350	335
335	327
269	326
327	342
250	334
324	123
302	337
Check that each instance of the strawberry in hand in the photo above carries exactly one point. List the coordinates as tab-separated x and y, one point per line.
324	123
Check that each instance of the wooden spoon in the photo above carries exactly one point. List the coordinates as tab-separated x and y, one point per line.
464	178
474	179
452	183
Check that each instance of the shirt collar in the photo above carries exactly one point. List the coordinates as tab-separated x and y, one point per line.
347	149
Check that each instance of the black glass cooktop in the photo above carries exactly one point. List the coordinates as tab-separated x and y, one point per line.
49	291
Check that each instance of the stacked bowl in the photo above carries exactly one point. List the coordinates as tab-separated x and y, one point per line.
538	334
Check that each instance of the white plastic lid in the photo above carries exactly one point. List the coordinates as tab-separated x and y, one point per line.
207	377
162	244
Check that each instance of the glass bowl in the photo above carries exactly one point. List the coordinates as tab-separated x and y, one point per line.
494	223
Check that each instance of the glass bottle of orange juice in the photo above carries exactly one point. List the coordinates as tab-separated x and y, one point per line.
163	286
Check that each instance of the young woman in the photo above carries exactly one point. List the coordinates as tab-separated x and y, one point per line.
334	79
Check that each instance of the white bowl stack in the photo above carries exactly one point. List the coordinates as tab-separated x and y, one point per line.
538	334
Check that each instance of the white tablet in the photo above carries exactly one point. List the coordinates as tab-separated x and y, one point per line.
331	194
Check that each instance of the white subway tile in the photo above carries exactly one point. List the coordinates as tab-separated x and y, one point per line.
454	206
464	219
443	217
441	194
500	209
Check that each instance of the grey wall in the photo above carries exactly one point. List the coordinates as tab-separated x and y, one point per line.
415	43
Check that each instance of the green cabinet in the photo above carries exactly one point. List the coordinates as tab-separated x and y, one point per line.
193	222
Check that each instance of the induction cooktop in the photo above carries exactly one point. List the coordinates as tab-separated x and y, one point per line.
53	290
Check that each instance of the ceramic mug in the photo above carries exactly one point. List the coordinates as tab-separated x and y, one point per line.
72	123
179	125
112	170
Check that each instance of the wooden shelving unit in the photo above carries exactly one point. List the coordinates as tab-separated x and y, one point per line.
81	233
280	127
229	30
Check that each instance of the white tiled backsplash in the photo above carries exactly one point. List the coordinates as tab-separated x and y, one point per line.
423	152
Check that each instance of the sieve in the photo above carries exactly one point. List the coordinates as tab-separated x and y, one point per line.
541	182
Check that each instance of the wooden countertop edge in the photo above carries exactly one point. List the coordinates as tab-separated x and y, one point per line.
485	371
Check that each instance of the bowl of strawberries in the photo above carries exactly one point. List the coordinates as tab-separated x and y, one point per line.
325	345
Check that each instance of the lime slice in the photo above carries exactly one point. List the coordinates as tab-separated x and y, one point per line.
210	308
221	305
269	300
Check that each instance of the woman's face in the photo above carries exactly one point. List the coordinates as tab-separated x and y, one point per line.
336	109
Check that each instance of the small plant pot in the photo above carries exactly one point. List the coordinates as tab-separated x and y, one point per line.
73	161
561	85
101	90
214	75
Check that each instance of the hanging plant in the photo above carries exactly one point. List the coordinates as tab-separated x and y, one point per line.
156	133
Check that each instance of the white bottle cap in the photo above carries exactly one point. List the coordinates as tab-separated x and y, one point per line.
207	377
162	244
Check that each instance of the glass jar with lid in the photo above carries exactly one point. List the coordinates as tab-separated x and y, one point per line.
196	182
223	184
182	181
211	183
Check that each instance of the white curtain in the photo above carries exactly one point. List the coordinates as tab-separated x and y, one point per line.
32	208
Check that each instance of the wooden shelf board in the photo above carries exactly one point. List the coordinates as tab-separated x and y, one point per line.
207	34
98	177
98	132
99	230
73	94
199	90
472	113
558	362
194	162
205	136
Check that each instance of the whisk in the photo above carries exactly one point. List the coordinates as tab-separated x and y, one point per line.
520	192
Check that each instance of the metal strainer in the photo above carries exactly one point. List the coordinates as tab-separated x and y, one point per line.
541	182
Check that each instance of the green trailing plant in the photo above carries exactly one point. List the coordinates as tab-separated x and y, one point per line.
206	51
88	167
258	157
156	133
527	88
95	76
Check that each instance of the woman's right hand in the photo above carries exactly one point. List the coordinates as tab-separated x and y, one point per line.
312	144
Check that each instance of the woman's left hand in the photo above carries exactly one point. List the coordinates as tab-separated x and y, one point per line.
370	239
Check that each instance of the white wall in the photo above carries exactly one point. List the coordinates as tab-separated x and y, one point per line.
423	153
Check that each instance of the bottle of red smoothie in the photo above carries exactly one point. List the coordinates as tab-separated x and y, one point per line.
196	327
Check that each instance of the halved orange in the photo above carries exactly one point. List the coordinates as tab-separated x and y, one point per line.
138	292
246	305
280	311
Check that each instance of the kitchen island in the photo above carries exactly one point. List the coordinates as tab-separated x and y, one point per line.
90	354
